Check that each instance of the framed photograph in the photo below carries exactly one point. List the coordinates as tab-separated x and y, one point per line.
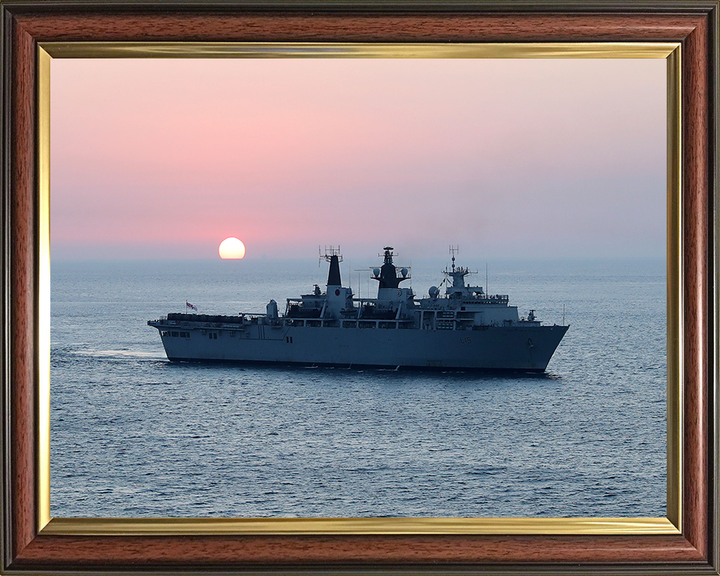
427	69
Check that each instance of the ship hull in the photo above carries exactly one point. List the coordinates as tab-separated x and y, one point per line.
527	348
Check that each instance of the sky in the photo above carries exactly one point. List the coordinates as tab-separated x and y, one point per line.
163	159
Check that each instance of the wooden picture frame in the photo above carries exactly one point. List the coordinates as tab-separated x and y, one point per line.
687	543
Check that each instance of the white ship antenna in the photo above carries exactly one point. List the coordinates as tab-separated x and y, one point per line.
454	250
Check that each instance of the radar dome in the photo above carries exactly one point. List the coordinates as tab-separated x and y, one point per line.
376	271
434	291
404	272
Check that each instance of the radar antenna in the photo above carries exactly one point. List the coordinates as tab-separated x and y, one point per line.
387	254
329	252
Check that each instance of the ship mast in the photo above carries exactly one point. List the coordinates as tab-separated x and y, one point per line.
333	256
456	273
387	275
454	250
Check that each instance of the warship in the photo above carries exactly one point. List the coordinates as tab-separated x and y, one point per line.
464	328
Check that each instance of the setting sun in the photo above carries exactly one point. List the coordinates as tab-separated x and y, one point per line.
231	249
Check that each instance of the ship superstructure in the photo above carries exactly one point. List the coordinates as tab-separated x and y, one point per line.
465	328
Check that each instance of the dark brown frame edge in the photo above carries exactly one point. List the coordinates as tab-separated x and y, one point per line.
25	23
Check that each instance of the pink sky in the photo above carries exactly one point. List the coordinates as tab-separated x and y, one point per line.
509	158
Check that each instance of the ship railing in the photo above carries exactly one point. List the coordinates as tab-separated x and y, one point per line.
234	326
382	305
495	299
500	300
498	297
247	319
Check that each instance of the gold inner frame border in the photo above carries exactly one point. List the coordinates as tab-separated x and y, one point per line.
670	51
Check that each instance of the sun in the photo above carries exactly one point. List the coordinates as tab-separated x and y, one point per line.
231	249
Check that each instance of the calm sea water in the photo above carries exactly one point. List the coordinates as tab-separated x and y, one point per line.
134	435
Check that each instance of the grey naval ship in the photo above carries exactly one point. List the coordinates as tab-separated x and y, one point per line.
465	328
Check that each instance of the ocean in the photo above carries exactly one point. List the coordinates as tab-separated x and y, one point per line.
133	435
